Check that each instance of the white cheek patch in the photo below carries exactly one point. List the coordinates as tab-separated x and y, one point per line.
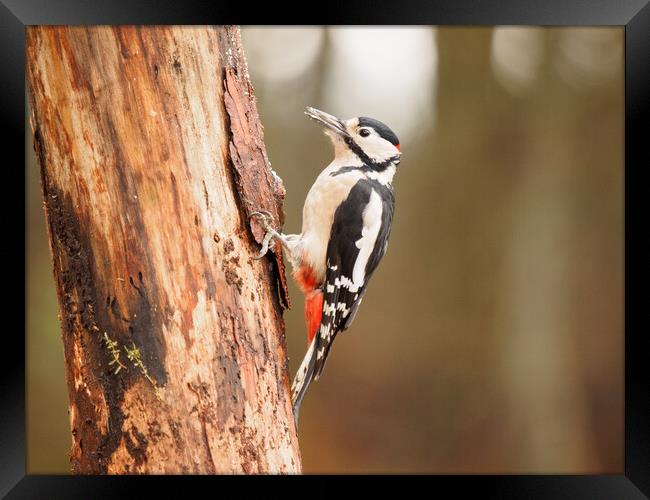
371	226
376	147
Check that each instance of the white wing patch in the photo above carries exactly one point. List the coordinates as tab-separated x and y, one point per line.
345	282
371	226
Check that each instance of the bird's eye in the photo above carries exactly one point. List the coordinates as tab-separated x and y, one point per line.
364	132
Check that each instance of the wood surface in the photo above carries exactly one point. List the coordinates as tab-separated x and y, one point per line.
152	158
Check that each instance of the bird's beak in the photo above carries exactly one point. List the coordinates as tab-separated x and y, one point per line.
327	120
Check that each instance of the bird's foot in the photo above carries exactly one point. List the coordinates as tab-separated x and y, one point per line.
267	243
265	219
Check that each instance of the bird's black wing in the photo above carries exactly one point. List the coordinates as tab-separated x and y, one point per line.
357	243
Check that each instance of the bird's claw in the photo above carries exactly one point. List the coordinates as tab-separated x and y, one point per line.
264	217
268	242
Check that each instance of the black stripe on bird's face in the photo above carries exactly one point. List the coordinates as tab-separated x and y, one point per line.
373	143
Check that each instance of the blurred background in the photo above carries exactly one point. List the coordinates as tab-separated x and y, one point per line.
491	337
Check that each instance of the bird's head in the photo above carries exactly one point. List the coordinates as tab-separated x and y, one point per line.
369	140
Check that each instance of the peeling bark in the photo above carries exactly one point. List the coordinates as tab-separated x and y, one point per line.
152	158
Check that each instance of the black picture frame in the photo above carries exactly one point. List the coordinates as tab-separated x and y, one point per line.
634	15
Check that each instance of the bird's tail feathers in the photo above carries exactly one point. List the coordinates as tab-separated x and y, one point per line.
303	378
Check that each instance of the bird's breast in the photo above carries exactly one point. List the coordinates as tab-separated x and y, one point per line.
327	193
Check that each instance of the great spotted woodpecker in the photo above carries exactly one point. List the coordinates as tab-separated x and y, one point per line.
346	221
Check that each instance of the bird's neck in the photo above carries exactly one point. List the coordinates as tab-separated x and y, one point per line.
346	158
384	176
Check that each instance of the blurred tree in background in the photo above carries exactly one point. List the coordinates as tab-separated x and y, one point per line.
491	339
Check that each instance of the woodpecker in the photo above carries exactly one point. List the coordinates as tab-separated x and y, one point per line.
346	222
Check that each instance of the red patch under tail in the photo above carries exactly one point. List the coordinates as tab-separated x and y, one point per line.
313	313
305	278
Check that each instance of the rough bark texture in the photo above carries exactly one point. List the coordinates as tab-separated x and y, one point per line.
152	157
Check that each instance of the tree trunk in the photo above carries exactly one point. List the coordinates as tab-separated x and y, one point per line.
152	159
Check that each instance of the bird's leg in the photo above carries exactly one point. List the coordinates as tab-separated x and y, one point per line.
268	241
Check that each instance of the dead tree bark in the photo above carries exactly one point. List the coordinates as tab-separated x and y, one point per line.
152	158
